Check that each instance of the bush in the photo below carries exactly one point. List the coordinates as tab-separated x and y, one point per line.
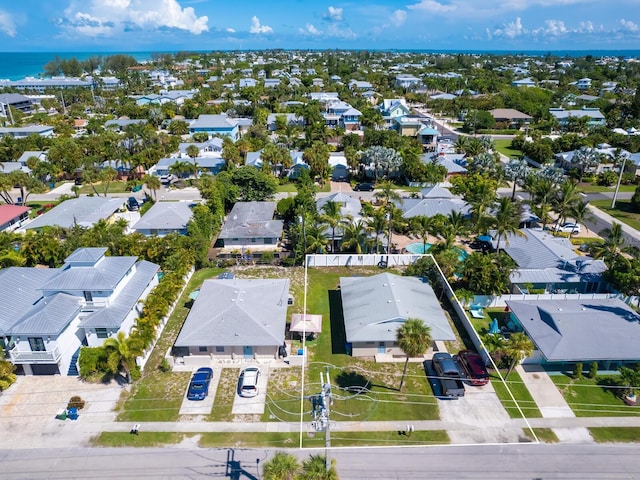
92	360
593	371
164	366
267	257
577	370
76	402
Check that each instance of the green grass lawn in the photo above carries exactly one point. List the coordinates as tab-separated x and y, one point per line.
287	187
615	434
143	439
622	212
592	188
504	147
545	435
114	187
592	398
520	392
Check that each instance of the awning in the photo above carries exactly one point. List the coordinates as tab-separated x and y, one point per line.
306	323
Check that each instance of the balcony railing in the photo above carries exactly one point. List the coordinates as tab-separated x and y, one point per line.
22	356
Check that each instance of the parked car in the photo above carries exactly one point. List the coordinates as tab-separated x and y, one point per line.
571	228
166	179
448	375
364	187
199	384
474	367
132	204
249	382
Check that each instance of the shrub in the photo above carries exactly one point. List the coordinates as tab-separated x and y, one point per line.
76	402
593	370
267	257
164	366
92	360
577	370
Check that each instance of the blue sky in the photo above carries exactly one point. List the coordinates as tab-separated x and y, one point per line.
140	25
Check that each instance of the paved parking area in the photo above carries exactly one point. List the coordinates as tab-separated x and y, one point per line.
29	407
201	407
254	405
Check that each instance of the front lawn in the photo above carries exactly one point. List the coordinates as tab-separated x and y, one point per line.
593	397
593	188
519	390
142	439
114	187
615	434
287	187
503	146
623	211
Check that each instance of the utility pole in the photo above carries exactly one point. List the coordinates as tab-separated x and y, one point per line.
321	411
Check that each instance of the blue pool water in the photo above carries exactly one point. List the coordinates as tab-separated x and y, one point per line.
419	248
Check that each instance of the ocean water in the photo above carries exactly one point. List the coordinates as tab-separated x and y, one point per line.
17	65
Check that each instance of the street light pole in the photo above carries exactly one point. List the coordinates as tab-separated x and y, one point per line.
615	194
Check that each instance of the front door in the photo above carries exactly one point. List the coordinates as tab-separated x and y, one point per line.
247	352
381	348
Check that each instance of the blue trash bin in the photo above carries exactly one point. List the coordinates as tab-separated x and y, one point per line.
72	413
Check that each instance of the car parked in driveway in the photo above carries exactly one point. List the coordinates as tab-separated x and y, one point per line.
199	384
572	228
133	204
249	382
448	375
474	367
364	187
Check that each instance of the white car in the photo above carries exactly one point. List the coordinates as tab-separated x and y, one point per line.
571	228
249	382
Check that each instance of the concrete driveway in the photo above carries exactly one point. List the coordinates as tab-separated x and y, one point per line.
253	405
28	409
201	407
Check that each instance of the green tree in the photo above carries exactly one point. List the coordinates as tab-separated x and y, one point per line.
7	375
487	274
331	216
282	466
354	236
121	354
413	338
194	152
517	348
315	468
614	245
153	183
506	220
253	184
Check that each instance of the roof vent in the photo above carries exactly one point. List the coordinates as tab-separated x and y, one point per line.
388	301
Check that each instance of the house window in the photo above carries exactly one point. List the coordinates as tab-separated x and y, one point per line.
102	333
202	349
219	349
37	344
88	296
253	240
268	241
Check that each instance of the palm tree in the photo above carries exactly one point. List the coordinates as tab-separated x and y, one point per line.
282	466
193	152
316	240
414	338
517	170
377	224
153	183
422	225
354	235
585	158
315	468
517	348
121	354
332	217
506	220
565	199
387	193
580	213
613	246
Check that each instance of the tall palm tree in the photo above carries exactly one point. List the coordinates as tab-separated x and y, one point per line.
121	354
331	216
517	348
580	213
422	226
506	220
153	183
614	245
387	193
566	197
194	152
316	240
414	338
517	170
282	466
377	223
354	236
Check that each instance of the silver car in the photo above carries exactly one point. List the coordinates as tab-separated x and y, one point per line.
249	382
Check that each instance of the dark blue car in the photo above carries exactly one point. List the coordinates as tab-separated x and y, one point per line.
199	385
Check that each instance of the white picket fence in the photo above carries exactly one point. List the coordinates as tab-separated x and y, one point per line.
368	260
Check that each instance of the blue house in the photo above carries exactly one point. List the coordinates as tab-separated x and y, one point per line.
215	125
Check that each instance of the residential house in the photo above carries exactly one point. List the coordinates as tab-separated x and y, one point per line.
375	307
83	211
350	208
177	97
550	264
582	84
164	218
121	124
23	132
510	118
393	108
289	119
407	81
12	216
428	138
250	226
234	319
210	148
360	85
49	313
605	155
565	332
436	200
408	126
247	82
318	82
209	164
271	82
39	154
455	163
443	96
524	82
324	97
14	100
339	167
594	116
219	124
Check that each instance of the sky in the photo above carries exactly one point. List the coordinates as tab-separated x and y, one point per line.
170	25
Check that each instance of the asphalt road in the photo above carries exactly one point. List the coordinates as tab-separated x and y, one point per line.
523	461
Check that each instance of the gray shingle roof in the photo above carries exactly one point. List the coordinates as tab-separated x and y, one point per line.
374	307
252	220
83	211
113	315
165	216
237	312
48	317
104	276
19	292
580	330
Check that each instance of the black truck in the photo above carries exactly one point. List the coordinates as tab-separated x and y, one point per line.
448	375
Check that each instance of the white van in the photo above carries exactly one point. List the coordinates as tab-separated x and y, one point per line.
249	382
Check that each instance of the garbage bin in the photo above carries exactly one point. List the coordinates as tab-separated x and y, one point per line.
72	413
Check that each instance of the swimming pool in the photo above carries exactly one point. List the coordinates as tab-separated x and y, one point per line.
419	248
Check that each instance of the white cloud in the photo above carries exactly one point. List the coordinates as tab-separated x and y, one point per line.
334	14
475	8
257	28
335	30
398	17
555	28
111	17
629	26
433	6
309	29
511	30
7	25
231	30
